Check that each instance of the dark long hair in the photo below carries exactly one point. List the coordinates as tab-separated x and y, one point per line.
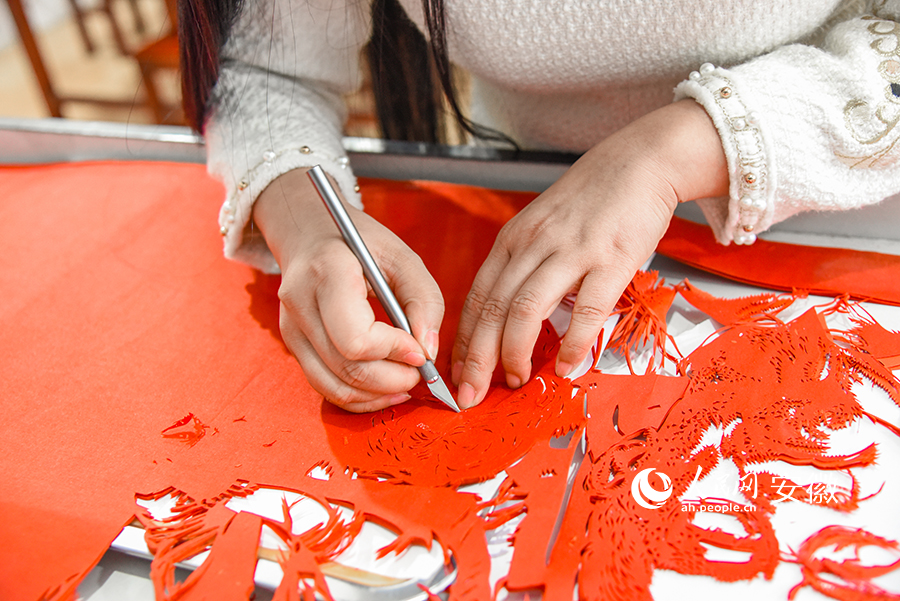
202	28
411	77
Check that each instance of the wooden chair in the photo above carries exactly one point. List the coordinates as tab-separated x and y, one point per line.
153	58
161	55
106	8
55	101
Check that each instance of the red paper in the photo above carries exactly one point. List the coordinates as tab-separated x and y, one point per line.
817	270
854	578
138	363
736	310
147	362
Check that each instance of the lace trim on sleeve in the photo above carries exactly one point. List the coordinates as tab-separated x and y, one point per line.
245	243
751	172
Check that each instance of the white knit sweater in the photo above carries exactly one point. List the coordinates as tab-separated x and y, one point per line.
805	93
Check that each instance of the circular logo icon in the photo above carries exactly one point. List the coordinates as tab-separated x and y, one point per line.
645	495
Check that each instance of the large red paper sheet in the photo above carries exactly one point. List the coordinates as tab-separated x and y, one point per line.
781	266
137	364
120	318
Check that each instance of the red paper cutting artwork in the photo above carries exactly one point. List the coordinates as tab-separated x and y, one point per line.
637	423
733	311
164	378
855	578
731	382
642	318
415	444
872	338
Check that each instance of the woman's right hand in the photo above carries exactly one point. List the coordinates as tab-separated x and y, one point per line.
326	321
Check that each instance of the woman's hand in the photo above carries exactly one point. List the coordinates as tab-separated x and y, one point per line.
588	233
356	362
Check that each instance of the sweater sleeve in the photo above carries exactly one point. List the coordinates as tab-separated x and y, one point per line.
806	127
278	106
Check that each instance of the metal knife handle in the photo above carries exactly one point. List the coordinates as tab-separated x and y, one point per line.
385	296
429	372
355	242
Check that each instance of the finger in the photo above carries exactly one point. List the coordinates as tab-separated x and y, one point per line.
349	322
474	305
596	298
324	380
483	350
418	294
530	306
376	405
301	319
381	376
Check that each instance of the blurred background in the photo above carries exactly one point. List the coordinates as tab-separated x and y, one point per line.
105	60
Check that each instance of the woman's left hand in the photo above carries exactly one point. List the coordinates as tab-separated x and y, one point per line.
588	233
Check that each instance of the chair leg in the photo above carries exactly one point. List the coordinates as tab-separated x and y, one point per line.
153	101
139	24
106	7
34	56
82	30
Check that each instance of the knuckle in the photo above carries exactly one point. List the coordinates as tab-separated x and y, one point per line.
589	313
297	282
348	399
622	247
504	236
506	230
320	264
514	358
354	349
476	300
526	305
399	259
356	374
434	302
460	348
493	311
289	291
333	258
432	305
479	363
522	233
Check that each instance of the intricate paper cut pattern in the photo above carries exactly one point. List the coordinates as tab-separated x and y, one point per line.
854	577
144	372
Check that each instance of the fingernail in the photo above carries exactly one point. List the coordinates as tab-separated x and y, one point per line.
513	381
431	344
397	399
456	371
563	369
414	358
466	395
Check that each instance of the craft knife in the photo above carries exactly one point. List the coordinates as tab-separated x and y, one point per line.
376	278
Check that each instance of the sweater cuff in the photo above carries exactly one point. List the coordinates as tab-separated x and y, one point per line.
749	207
242	240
